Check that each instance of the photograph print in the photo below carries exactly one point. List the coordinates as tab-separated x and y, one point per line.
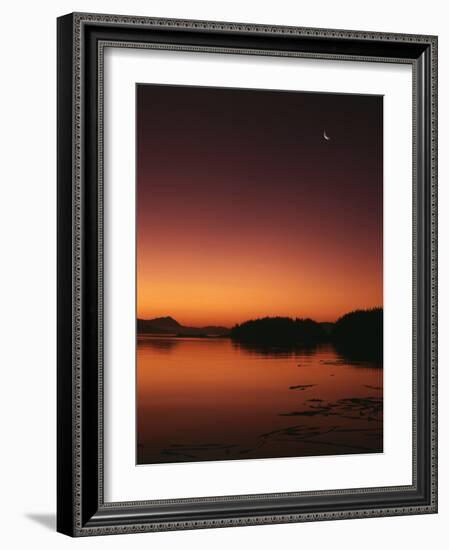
259	261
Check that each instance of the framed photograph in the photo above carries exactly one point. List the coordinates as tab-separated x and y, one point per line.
247	281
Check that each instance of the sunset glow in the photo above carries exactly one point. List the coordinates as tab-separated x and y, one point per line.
244	210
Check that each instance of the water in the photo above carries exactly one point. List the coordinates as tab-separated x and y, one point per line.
212	399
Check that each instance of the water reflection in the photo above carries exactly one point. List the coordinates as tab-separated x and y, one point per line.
346	360
278	350
213	399
360	354
160	344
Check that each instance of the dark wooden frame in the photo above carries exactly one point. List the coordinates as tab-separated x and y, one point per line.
81	509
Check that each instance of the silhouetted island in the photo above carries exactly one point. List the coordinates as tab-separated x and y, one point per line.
357	336
279	330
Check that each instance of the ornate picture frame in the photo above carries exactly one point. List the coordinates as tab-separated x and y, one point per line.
81	508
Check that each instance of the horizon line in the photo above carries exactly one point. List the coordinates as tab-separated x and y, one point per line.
256	318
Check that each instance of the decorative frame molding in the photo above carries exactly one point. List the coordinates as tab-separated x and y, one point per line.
81	41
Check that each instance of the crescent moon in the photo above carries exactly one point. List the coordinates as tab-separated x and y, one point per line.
325	136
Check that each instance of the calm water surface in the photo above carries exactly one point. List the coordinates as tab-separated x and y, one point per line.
212	399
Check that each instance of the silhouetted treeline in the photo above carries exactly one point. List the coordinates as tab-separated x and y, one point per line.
359	334
279	330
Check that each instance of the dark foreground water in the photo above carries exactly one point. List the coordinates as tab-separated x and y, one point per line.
212	399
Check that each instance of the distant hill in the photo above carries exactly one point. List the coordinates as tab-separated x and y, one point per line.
160	323
168	325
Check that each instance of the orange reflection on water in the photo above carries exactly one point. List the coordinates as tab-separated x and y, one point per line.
211	399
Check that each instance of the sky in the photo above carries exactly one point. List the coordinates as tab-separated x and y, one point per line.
244	210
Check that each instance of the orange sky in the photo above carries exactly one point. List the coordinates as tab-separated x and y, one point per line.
243	210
